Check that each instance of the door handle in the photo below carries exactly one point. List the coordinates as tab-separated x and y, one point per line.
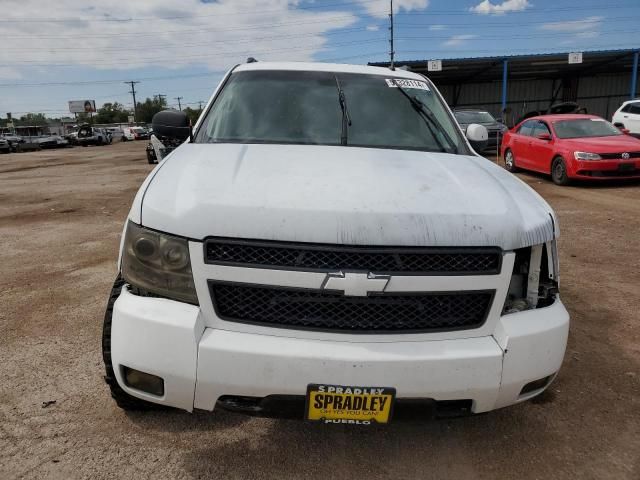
625	116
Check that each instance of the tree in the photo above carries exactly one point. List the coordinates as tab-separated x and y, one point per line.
31	119
111	113
192	113
147	109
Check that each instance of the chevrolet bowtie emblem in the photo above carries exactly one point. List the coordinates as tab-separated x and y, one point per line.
356	284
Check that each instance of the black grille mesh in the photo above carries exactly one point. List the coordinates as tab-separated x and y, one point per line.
334	258
330	311
617	156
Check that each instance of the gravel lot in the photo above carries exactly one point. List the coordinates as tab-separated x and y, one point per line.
61	215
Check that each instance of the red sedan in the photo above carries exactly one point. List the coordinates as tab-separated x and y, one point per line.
571	146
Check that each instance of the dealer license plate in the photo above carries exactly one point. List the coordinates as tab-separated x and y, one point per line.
351	405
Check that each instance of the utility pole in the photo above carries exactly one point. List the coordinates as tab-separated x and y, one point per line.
161	98
200	102
179	104
133	93
391	52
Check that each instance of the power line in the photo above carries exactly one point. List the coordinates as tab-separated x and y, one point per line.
178	17
603	6
105	82
550	51
213	73
144	60
198	30
519	25
68	20
250	26
501	37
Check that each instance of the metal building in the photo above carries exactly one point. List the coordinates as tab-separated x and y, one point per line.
510	86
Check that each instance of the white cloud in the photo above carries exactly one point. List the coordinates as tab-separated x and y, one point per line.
587	35
162	33
487	8
435	28
373	28
457	40
586	24
380	8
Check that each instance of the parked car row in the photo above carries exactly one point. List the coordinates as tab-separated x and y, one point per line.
565	143
84	136
13	143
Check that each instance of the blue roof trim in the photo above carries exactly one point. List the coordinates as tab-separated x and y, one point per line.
511	57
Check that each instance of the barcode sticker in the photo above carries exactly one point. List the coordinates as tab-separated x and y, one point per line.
406	83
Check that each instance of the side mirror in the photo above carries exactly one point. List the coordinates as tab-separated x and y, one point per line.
544	136
478	136
172	124
626	131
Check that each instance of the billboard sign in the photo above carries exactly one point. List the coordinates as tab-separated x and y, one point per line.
82	106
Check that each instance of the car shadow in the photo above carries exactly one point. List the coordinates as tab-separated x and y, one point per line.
297	449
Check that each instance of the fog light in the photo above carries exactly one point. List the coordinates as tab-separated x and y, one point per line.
144	382
536	385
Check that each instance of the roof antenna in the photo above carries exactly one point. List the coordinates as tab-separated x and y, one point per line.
251	60
391	52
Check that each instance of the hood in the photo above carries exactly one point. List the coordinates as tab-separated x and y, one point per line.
342	195
612	144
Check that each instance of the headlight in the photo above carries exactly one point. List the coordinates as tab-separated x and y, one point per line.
158	263
534	281
586	156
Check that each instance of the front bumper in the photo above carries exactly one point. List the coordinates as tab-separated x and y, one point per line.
605	169
199	364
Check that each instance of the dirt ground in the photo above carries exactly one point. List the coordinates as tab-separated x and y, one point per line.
61	215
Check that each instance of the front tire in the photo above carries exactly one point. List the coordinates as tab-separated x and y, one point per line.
122	398
559	172
510	161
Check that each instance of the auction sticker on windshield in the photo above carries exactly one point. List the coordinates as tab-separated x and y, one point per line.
351	405
406	83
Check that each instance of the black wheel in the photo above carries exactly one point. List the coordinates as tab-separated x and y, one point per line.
559	172
151	157
510	161
122	398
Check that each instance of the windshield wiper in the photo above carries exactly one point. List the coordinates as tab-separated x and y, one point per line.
346	118
430	121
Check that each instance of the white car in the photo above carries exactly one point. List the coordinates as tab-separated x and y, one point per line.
327	245
128	134
628	117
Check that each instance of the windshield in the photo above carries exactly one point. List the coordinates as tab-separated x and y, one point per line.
304	108
585	127
474	117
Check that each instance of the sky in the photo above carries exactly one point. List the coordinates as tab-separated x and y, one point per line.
53	52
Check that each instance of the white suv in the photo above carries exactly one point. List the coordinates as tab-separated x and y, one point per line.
628	117
327	245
